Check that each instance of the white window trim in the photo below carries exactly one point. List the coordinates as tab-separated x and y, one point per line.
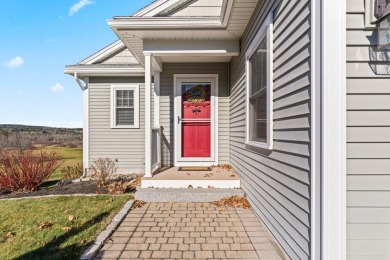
266	30
133	87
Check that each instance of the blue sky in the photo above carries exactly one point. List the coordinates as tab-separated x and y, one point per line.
40	37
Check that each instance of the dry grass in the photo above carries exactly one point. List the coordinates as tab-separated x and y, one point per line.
53	228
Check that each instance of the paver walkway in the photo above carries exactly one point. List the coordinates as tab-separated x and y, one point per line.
190	231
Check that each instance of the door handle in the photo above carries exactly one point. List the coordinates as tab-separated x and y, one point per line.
178	119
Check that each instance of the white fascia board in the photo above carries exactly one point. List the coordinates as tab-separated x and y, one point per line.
103	53
185	47
142	23
227	7
106	71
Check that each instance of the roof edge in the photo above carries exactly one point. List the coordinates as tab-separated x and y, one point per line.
103	53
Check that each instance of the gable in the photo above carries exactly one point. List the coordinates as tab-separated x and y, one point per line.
195	8
115	53
124	56
182	8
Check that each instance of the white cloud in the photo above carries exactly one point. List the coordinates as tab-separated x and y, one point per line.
57	87
15	62
77	6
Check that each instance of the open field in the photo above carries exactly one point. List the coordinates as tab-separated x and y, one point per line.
21	236
70	157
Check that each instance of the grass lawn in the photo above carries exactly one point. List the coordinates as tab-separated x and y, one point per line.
23	217
70	157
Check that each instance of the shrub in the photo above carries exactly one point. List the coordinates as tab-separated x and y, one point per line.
25	170
102	170
72	172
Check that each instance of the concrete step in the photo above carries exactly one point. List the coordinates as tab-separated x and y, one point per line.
185	195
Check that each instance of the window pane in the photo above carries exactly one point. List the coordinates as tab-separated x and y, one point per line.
124	98
258	119
258	62
125	116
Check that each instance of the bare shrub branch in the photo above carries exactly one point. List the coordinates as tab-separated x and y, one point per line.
102	170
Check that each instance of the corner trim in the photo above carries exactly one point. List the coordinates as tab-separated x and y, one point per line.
86	127
333	83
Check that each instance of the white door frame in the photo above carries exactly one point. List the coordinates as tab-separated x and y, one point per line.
178	79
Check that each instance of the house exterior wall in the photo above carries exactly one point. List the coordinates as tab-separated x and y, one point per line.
277	182
167	106
368	139
124	56
200	8
125	145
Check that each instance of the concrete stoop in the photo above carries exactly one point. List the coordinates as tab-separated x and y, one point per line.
185	194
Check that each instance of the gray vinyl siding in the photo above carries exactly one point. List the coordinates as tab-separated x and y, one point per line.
124	56
125	145
199	8
277	182
167	106
368	141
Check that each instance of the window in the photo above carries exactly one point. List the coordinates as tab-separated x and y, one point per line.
125	106
259	88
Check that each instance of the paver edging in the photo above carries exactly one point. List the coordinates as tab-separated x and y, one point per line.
92	250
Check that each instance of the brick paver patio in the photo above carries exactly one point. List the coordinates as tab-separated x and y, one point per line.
190	231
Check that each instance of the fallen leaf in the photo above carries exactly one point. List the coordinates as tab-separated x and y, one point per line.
67	229
110	200
138	204
233	201
188	174
206	175
222	209
10	234
45	224
190	186
83	242
71	217
233	175
66	211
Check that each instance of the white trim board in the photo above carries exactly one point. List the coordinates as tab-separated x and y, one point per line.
333	87
315	184
86	127
213	78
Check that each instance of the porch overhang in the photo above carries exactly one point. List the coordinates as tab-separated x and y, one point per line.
135	31
104	70
192	48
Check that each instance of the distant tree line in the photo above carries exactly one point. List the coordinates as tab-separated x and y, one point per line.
25	137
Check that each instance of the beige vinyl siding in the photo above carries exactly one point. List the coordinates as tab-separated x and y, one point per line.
368	141
124	56
277	182
167	106
124	145
199	8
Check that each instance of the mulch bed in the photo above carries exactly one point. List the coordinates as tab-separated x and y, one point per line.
84	187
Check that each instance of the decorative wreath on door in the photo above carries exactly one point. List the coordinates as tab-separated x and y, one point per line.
196	94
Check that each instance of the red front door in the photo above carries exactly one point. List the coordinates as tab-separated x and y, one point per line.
196	120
